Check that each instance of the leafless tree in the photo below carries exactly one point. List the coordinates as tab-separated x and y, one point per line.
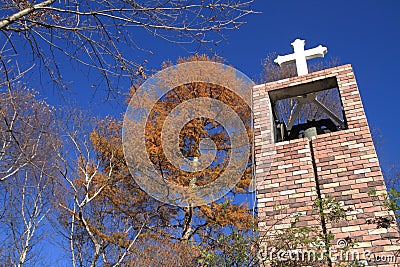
95	234
25	130
28	197
106	35
26	178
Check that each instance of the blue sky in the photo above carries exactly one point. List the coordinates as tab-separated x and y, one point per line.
364	33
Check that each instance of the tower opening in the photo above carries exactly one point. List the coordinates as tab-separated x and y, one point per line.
306	110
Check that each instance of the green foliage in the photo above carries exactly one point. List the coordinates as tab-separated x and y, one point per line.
392	201
371	193
297	238
234	249
330	209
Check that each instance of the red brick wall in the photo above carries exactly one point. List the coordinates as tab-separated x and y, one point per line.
346	163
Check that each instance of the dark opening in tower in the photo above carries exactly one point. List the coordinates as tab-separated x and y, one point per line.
307	109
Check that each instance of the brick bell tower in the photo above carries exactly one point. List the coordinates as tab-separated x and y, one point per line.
332	155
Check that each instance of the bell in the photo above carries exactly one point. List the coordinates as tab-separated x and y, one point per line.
310	133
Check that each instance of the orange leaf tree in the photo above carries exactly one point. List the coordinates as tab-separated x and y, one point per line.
114	220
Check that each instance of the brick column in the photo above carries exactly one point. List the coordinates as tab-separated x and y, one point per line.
345	162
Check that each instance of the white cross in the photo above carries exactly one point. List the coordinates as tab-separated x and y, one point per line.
300	56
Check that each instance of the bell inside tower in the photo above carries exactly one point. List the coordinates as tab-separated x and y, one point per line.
307	110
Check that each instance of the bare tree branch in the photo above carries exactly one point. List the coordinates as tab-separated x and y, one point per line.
7	21
106	35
